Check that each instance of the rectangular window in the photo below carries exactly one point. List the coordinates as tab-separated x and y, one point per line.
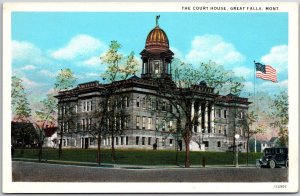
171	108
149	140
171	125
91	105
126	140
144	122
149	123
225	131
88	106
219	144
163	107
117	141
137	140
206	143
144	103
225	113
171	142
122	140
138	102
156	123
137	122
164	125
143	140
220	128
83	124
219	113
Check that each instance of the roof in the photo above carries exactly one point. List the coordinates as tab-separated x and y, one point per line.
273	139
49	131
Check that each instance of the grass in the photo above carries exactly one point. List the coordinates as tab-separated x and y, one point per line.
138	157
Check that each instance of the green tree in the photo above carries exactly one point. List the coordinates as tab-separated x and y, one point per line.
20	104
46	114
185	76
215	76
118	68
65	80
281	107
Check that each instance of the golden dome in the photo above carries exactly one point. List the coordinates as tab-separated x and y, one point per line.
157	39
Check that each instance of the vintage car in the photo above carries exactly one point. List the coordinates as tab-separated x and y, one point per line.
274	157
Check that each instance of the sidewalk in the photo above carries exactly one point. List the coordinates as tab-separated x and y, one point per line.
124	166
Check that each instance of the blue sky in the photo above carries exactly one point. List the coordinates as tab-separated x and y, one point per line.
45	42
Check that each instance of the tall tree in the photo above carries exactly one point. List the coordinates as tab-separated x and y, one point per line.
185	76
20	105
281	113
46	114
247	121
65	80
215	76
118	68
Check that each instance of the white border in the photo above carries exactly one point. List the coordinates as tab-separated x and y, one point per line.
22	187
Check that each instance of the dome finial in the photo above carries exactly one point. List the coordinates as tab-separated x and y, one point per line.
157	17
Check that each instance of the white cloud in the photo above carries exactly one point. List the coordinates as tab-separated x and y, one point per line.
273	87
93	62
28	67
92	74
243	71
215	48
277	58
48	73
27	53
177	53
29	84
79	46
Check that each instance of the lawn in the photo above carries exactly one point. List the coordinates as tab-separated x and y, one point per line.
138	157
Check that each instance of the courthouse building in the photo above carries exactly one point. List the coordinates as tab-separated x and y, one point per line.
148	113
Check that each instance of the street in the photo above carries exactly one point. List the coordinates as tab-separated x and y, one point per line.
43	172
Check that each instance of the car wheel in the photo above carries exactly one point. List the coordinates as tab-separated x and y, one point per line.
272	164
287	163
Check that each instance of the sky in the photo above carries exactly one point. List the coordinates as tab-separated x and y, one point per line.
45	42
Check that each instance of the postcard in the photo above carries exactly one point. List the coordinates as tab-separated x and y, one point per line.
150	97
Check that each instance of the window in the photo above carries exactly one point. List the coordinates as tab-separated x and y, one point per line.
218	111
144	122
137	122
163	107
164	125
88	106
117	141
149	123
156	67
219	144
122	140
127	102
171	124
126	140
144	103
225	132
225	113
206	143
83	108
90	124
171	108
149	104
137	140
126	122
138	102
220	128
171	142
149	140
83	124
195	128
143	140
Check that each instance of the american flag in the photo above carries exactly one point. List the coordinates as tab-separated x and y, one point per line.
266	72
